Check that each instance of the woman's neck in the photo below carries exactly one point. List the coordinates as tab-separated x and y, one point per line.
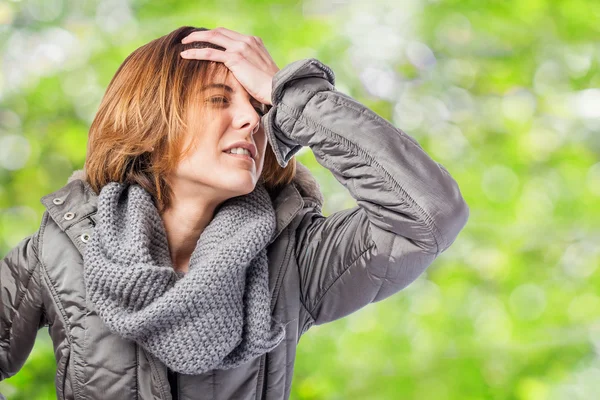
184	223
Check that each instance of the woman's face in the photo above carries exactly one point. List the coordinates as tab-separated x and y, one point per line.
208	171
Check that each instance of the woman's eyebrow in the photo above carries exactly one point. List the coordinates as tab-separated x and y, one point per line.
218	86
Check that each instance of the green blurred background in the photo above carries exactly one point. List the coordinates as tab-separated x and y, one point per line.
503	93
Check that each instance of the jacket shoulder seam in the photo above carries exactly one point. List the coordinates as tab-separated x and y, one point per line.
38	254
41	232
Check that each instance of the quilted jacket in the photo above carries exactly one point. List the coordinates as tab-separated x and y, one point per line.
409	210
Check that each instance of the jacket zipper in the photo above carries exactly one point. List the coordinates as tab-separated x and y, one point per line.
283	270
173	378
153	366
261	388
64	378
261	381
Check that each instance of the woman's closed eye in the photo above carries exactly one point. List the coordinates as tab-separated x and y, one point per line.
224	100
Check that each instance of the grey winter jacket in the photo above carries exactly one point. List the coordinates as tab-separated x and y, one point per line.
409	211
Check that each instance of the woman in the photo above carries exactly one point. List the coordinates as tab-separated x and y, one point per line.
170	268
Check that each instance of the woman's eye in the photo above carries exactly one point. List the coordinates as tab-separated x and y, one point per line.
217	99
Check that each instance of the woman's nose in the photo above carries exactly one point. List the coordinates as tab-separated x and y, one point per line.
247	116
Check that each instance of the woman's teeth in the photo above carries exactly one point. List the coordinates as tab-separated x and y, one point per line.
238	150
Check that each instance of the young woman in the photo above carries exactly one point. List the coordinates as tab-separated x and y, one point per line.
173	268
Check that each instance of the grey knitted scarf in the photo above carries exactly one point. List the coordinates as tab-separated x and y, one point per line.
217	315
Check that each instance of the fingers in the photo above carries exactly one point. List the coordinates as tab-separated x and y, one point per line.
228	33
232	42
245	56
213	37
205	54
255	41
234	35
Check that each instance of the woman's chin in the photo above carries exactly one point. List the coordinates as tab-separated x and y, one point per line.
243	184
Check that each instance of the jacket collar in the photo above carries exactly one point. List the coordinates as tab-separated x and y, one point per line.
77	197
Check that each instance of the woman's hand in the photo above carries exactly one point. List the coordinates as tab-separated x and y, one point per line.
245	56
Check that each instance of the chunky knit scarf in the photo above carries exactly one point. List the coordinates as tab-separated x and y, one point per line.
217	315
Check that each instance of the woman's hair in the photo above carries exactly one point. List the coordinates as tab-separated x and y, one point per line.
138	133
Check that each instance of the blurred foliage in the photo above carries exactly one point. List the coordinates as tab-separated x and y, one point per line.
502	93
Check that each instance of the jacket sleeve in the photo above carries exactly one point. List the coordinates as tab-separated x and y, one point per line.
409	207
21	310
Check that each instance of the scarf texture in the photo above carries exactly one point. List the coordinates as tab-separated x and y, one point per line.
217	315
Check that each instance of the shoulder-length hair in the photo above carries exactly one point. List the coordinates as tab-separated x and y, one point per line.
139	130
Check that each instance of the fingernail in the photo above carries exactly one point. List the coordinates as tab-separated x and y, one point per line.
183	40
184	53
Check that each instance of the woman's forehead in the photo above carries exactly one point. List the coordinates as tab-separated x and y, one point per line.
227	82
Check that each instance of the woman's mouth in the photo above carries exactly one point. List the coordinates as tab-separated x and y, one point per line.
240	156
